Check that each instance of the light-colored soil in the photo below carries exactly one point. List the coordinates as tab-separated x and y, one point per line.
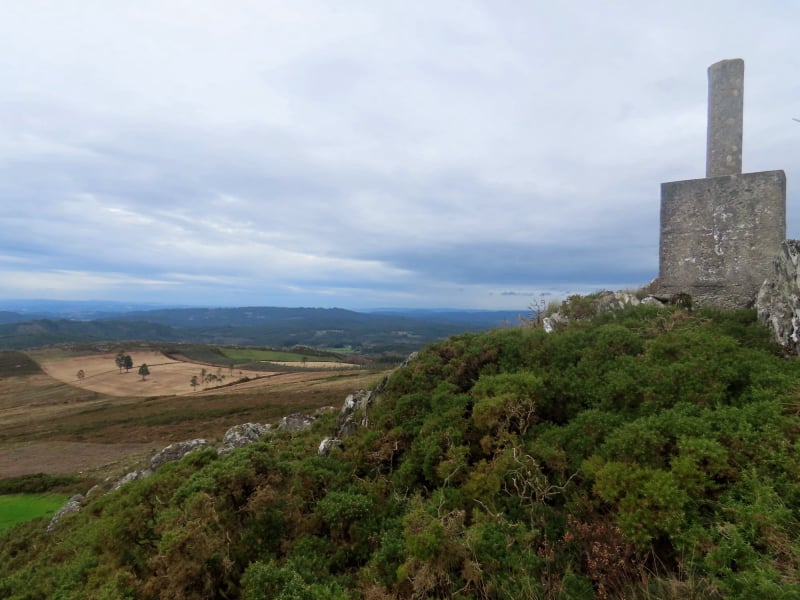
167	376
52	422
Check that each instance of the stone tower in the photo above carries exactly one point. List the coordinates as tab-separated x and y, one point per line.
720	234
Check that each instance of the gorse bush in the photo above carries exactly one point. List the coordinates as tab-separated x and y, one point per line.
642	454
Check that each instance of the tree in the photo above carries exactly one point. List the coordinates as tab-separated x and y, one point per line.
194	382
144	371
81	374
119	360
127	363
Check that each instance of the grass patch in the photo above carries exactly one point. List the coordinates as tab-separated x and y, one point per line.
254	354
15	364
37	483
19	508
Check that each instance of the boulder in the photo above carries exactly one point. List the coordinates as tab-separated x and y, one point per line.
354	413
778	301
176	451
327	444
242	435
295	422
616	301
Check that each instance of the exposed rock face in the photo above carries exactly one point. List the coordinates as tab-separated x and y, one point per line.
176	451
129	477
242	435
327	444
616	301
353	413
579	308
778	302
295	422
73	505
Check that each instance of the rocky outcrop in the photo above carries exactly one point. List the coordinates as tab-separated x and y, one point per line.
129	477
326	445
73	505
577	308
355	412
242	435
778	302
175	452
295	422
352	415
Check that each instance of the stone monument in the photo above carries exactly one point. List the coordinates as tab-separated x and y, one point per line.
720	234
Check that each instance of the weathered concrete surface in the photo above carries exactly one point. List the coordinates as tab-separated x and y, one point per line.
719	236
725	118
778	303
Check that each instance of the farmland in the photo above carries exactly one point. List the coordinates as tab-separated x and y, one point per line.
17	508
52	421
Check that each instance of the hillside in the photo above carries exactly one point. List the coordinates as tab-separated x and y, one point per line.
396	332
647	453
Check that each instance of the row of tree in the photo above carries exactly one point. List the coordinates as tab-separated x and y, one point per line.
124	361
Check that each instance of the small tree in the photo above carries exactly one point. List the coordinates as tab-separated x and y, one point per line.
144	371
127	363
119	360
194	382
81	374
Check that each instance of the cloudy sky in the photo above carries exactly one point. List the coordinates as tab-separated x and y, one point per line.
362	154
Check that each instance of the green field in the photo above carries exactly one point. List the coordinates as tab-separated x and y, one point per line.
18	508
241	355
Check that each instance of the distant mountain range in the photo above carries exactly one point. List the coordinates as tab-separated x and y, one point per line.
388	330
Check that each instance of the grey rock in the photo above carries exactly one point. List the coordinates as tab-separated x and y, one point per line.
129	477
327	444
242	435
176	451
408	359
73	505
548	325
295	422
778	302
616	301
354	413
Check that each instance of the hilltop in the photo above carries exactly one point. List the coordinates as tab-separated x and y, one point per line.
644	453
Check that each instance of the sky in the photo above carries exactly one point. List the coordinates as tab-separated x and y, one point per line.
364	154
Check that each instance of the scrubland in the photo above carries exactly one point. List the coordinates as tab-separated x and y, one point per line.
645	453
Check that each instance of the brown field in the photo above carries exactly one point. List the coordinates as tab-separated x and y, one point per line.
167	376
53	423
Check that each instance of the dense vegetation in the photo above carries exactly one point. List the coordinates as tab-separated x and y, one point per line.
644	454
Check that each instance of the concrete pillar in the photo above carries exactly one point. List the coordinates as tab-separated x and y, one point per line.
725	118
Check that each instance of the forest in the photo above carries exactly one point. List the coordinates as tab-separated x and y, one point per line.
643	453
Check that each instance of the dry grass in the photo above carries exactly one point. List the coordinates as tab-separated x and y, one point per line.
54	423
